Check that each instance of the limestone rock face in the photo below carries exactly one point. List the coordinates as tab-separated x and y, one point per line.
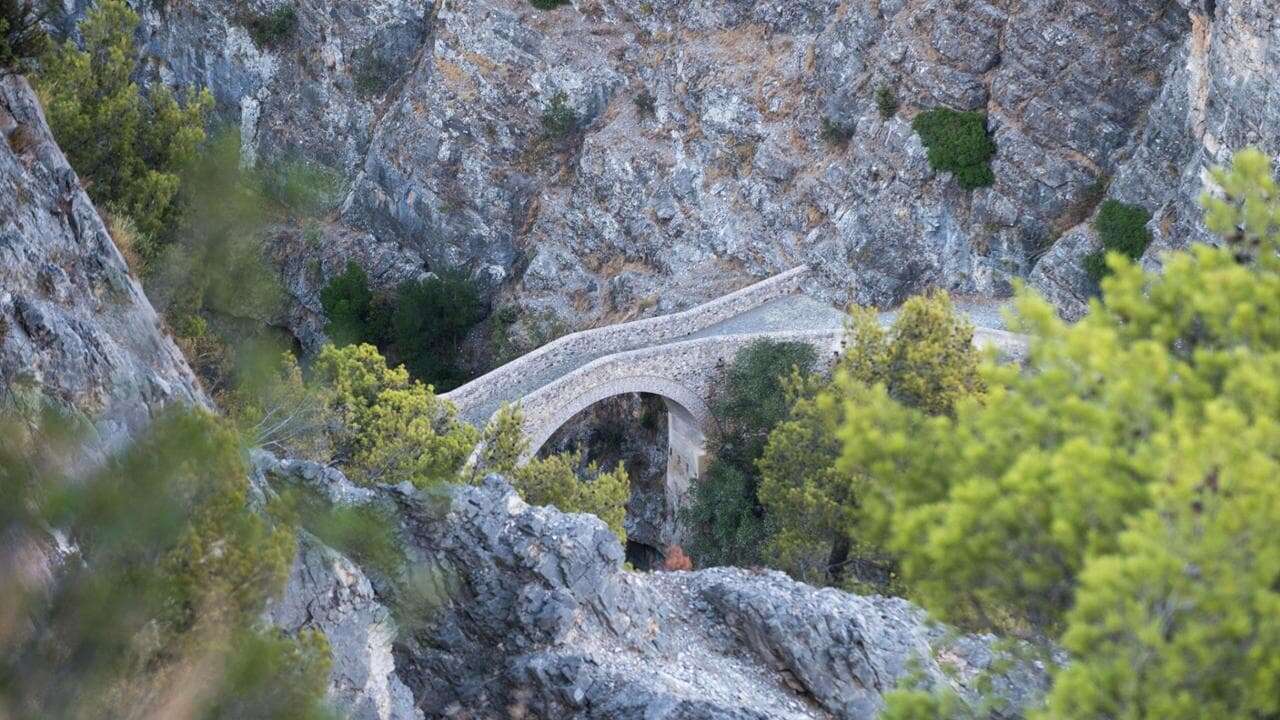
699	161
1220	94
544	618
75	327
328	592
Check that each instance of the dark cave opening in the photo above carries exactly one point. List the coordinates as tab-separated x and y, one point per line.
644	557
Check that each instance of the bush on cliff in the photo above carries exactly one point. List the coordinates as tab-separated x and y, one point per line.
1123	230
129	147
958	143
273	28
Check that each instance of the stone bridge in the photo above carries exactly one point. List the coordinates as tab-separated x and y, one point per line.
677	357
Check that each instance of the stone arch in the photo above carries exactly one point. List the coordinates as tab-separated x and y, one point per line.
687	408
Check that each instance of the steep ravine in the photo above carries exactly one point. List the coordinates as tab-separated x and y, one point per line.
535	610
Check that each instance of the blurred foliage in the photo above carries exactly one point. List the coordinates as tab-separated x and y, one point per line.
218	265
301	189
1119	492
134	591
391	428
275	408
129	148
726	521
1246	211
1178	621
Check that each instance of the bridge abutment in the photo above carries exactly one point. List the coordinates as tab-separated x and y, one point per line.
686	463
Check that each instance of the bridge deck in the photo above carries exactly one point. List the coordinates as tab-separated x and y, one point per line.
791	312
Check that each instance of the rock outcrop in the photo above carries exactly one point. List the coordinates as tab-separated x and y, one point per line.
540	618
76	329
330	593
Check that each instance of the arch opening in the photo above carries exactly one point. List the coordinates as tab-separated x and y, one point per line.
660	442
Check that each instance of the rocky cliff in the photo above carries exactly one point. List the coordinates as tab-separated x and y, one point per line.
536	617
76	330
533	612
1219	94
698	159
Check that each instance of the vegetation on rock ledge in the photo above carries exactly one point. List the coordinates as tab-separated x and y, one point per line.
958	143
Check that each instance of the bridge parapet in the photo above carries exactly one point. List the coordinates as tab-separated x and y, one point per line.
478	399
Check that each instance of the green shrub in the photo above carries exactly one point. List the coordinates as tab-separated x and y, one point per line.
272	28
555	481
422	325
1122	229
347	303
726	521
548	4
429	320
391	427
925	361
558	118
958	143
130	148
886	101
22	38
